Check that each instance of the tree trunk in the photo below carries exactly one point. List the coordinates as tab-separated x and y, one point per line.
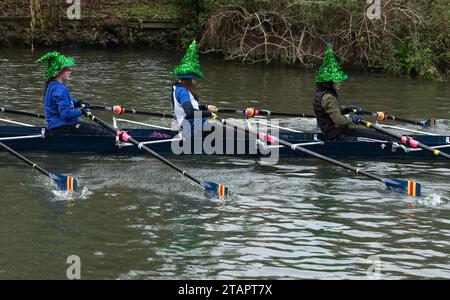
53	13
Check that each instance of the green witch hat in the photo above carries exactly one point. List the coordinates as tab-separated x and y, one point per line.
189	66
56	62
330	69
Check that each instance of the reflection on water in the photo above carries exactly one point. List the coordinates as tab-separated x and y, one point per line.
301	218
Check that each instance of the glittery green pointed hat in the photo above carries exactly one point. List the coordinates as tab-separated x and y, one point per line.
330	69
189	66
56	62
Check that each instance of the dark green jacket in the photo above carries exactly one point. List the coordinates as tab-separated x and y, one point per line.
329	113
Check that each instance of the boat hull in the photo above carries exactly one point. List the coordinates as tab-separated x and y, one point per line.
230	146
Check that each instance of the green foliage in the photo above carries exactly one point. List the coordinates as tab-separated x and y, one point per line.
413	37
188	33
87	38
435	34
424	49
413	59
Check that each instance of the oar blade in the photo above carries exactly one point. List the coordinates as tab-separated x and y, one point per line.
65	183
429	123
407	187
216	189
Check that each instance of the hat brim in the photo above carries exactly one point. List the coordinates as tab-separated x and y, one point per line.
188	76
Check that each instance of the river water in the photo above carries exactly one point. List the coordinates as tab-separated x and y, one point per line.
300	219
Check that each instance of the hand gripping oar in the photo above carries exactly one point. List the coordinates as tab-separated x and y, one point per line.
65	183
118	110
211	187
253	112
23	113
408	187
406	140
381	116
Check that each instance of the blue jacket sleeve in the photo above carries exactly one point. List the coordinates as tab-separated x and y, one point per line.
183	97
65	106
185	101
190	111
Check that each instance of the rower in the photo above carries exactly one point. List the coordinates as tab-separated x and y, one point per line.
189	114
328	110
62	111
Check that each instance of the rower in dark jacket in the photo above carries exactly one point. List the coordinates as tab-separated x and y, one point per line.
189	114
328	109
62	111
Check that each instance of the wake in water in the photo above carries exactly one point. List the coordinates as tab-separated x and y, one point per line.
434	200
437	201
71	196
215	200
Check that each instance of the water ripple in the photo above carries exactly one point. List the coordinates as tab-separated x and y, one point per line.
302	218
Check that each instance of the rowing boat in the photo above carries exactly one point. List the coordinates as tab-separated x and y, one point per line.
269	141
35	139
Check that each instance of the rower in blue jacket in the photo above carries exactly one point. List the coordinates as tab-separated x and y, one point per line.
62	111
189	114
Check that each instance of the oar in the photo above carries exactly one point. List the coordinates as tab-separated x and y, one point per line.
65	183
408	187
216	189
117	110
250	112
20	112
406	140
253	112
381	116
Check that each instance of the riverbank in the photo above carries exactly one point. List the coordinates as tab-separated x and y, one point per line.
101	24
406	38
399	37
